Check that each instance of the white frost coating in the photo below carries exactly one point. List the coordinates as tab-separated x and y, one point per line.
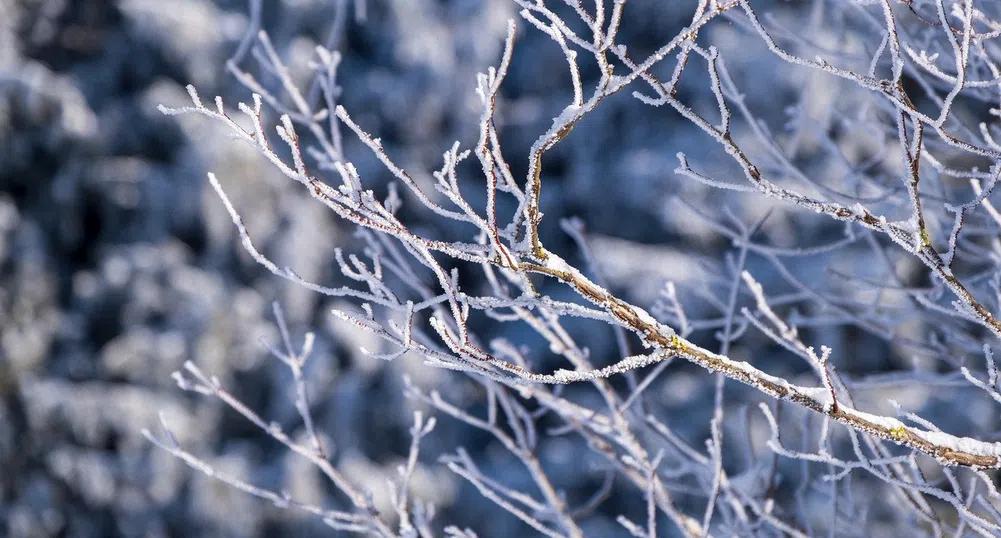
646	318
889	423
821	395
556	263
629	363
943	440
859	209
959	444
568	114
755	375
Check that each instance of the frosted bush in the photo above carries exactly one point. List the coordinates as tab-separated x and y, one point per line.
825	178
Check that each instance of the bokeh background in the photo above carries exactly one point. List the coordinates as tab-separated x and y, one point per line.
118	262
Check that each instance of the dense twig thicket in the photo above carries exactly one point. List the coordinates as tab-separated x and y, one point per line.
905	161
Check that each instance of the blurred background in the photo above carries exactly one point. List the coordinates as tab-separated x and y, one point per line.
118	262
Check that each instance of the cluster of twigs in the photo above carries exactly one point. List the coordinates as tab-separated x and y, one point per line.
932	62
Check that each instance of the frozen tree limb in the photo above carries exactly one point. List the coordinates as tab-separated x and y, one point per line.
903	206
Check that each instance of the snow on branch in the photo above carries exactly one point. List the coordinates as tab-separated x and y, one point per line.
408	291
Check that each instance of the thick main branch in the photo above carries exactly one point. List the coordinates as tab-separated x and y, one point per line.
947	449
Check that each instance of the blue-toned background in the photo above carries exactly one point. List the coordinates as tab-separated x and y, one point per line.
118	262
